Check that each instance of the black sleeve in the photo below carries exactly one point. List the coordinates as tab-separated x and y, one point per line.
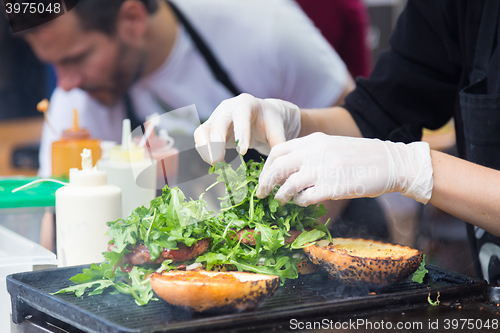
415	83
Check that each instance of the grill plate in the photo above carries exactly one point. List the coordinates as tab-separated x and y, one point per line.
310	295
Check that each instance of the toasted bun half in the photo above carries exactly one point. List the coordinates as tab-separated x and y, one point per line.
368	262
306	267
214	291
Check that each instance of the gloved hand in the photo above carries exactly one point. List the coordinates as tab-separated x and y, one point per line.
321	167
256	123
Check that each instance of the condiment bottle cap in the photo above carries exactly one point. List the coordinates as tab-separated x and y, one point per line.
127	151
76	133
88	176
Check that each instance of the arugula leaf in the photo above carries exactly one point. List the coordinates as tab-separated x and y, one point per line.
80	289
431	302
419	274
273	205
95	272
165	266
307	237
271	238
142	292
285	267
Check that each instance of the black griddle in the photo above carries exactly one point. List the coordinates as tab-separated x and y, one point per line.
308	296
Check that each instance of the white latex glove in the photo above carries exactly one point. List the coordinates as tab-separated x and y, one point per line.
321	167
256	123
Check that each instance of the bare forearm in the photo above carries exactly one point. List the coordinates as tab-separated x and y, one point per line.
333	121
467	191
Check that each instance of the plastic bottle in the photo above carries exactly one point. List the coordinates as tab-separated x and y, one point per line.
66	152
128	169
82	209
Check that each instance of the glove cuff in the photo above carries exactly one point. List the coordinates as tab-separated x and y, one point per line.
421	182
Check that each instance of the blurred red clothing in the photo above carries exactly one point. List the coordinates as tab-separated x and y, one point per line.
344	23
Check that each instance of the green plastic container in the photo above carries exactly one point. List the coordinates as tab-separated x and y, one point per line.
38	195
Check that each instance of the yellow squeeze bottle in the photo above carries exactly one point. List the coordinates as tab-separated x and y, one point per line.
66	152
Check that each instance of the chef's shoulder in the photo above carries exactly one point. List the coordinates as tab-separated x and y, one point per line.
444	16
245	18
434	30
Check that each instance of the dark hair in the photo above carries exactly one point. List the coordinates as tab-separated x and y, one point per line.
101	14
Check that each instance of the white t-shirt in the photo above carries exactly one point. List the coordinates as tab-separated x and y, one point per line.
269	48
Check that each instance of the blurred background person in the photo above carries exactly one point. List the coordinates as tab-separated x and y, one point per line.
345	24
133	58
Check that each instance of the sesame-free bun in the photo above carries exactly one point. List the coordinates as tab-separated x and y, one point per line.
214	291
306	267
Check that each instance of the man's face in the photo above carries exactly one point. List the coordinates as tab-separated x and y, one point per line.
104	66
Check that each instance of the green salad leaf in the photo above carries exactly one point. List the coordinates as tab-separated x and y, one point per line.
171	219
419	274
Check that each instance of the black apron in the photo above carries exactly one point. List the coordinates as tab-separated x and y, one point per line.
481	119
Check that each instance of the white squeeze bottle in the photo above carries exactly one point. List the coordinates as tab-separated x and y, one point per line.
82	209
128	169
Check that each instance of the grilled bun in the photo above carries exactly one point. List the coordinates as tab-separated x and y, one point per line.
361	261
204	291
306	267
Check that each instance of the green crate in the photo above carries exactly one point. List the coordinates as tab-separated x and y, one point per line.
38	195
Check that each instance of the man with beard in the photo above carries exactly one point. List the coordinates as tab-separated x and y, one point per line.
119	59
